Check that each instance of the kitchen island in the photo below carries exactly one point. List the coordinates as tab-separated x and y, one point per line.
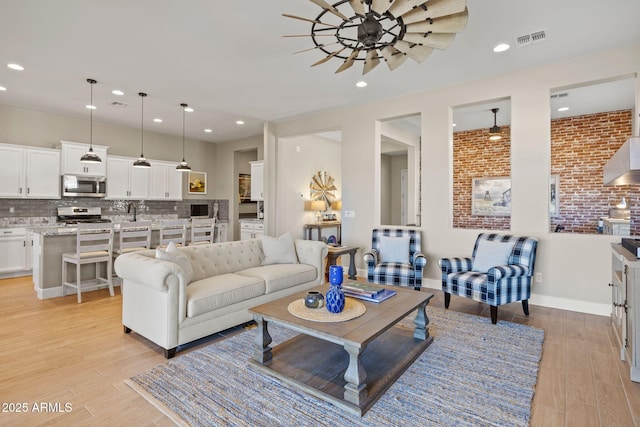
50	242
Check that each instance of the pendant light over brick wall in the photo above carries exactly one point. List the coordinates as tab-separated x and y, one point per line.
183	166
142	162
90	156
494	131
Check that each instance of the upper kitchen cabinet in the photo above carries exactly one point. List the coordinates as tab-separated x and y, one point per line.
71	164
166	181
124	181
257	180
29	172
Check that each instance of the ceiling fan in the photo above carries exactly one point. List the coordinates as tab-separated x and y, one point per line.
393	30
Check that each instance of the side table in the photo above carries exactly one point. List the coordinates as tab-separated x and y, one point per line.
335	252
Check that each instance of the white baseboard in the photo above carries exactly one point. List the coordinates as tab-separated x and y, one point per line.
56	291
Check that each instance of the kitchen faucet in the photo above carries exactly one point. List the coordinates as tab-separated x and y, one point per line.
135	210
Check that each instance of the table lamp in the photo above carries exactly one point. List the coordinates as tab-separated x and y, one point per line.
318	205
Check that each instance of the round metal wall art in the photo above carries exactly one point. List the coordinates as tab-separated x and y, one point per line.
323	188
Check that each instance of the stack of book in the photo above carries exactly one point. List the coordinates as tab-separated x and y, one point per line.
366	292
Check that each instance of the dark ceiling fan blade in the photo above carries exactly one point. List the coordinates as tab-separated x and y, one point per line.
326	6
357	6
400	7
309	20
313	48
435	40
393	57
349	61
435	9
371	61
328	57
381	6
310	35
414	51
447	24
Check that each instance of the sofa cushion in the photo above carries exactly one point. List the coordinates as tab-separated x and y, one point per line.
279	250
395	249
215	292
174	255
281	276
491	253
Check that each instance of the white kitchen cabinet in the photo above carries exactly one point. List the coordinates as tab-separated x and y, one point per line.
125	181
257	180
71	164
13	250
166	181
29	172
222	230
251	230
625	293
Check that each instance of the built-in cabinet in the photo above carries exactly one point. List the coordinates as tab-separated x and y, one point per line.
29	172
251	229
222	230
124	181
15	251
257	180
625	295
71	164
166	181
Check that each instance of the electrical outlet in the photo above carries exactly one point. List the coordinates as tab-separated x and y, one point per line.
538	277
349	214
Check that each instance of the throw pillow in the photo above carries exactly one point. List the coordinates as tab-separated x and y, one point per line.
394	249
491	253
173	254
279	250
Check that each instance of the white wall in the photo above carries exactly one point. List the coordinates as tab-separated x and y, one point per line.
298	159
575	268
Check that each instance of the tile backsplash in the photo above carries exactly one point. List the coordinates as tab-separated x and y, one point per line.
40	211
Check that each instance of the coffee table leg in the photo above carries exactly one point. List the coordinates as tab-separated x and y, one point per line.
422	331
263	339
355	391
352	266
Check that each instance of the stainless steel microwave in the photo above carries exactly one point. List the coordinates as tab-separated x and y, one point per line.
84	186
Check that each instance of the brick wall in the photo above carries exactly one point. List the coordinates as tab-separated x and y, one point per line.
580	146
474	156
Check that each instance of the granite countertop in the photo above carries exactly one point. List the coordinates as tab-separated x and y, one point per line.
58	230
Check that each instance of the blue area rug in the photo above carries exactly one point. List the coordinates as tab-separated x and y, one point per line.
473	374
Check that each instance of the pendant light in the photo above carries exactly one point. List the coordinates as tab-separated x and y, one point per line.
90	156
494	131
142	162
183	166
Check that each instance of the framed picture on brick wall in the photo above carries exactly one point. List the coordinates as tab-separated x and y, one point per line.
491	196
554	200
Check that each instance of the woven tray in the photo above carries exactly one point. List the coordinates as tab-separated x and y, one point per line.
352	309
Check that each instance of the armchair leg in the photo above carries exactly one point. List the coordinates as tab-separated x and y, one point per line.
525	306
494	314
447	299
168	354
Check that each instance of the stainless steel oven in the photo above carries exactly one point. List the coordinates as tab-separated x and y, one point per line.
84	186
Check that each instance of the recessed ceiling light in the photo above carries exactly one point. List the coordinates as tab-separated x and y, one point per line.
2	88
90	107
501	47
117	92
239	122
563	109
157	120
16	67
189	110
454	125
361	83
208	130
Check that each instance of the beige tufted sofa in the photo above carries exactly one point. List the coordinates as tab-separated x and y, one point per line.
158	304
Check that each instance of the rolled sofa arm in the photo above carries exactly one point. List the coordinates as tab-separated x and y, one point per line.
314	253
147	271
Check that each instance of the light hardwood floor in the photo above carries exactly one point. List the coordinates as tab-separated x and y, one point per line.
57	351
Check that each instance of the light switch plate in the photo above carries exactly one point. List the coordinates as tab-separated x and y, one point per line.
349	214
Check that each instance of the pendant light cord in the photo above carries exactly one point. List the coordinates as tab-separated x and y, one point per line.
142	95
184	106
91	120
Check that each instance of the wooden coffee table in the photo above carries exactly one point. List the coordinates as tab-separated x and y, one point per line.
329	361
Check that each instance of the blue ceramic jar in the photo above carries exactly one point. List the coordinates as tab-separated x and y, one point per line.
335	296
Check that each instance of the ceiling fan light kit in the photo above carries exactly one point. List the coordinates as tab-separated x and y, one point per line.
389	30
495	131
90	156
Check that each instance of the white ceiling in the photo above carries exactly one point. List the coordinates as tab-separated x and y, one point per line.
229	60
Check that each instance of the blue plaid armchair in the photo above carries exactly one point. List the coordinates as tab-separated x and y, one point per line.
495	284
395	257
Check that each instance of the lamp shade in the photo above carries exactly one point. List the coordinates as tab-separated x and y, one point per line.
317	205
336	205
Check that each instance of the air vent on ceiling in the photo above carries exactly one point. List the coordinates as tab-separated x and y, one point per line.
531	38
119	104
560	95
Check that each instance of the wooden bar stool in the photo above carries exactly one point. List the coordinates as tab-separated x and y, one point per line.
94	245
202	230
173	230
134	236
